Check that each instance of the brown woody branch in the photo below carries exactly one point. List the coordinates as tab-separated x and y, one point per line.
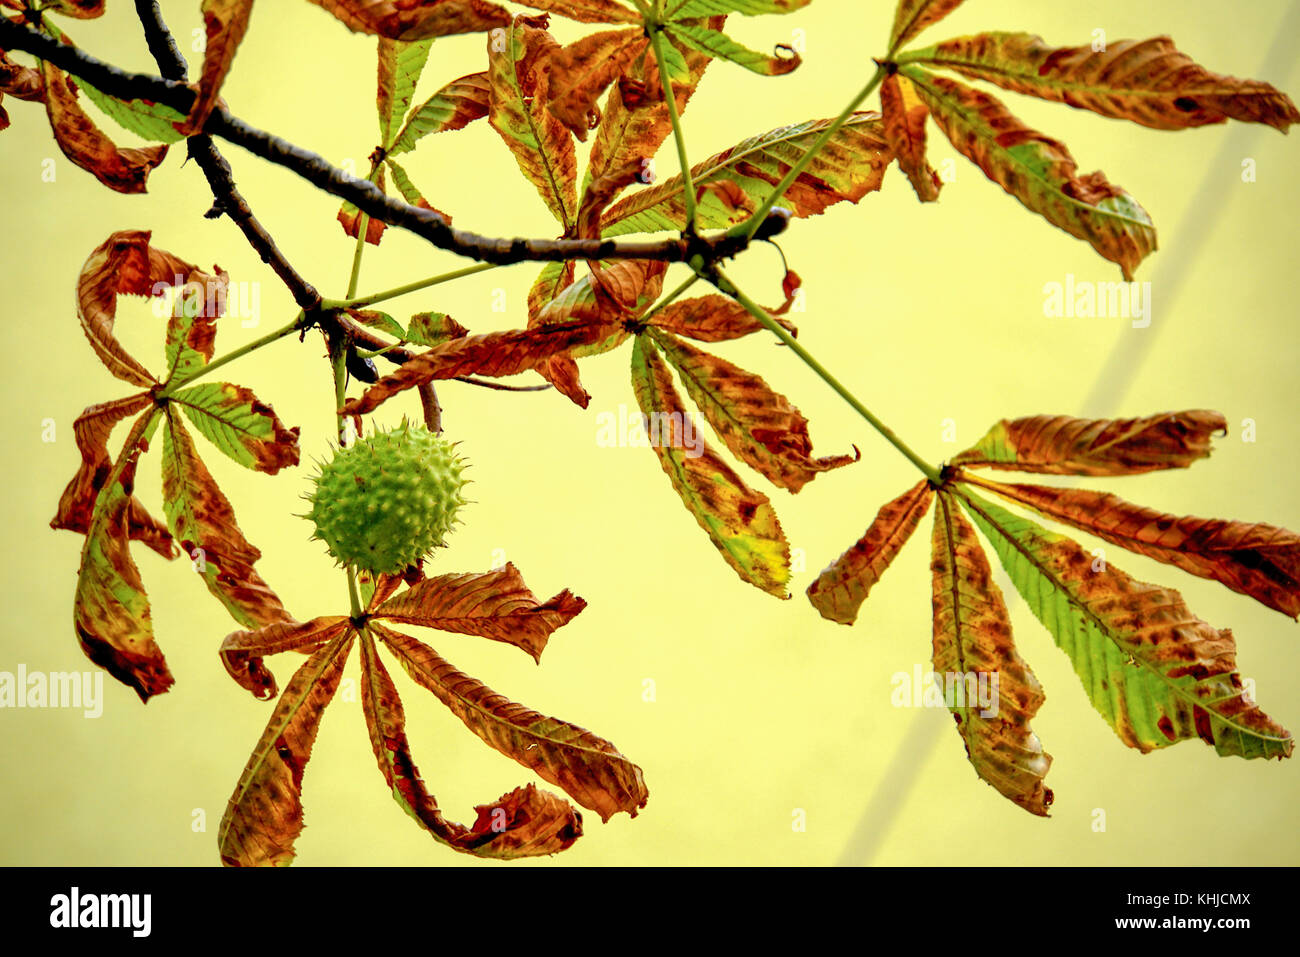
226	196
363	194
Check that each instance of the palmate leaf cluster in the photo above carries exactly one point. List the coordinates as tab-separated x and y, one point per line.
1156	673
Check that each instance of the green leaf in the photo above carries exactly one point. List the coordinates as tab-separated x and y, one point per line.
150	121
433	329
687	9
721	46
1154	671
453	107
233	419
851	166
400	66
740	521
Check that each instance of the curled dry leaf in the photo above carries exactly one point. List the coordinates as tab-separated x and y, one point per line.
589	769
1150	82
523	823
242	651
840	590
126	264
225	22
404	20
22	82
125	170
1062	445
973	647
91	432
582	71
1038	171
495	605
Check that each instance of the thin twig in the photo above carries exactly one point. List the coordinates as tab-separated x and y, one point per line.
366	196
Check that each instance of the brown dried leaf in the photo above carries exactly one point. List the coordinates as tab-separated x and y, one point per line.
349	216
712	318
125	264
524	823
560	371
264	815
582	71
92	430
22	82
913	16
905	131
1060	445
840	590
225	22
204	525
408	20
759	425
1253	559
587	11
588	768
972	639
489	354
1150	82
242	651
111	609
123	170
495	605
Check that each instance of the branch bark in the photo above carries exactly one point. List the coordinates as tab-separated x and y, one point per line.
361	193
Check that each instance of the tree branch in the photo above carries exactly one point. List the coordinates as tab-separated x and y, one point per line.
227	198
365	195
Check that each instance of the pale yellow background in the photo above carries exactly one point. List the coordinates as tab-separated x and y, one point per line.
929	313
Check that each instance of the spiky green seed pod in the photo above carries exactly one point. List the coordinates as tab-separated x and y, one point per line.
388	500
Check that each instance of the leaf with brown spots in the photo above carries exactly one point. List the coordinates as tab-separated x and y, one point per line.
560	371
524	823
840	590
1253	559
712	318
587	11
913	16
519	72
125	264
740	521
91	431
225	22
489	354
237	422
905	118
408	20
264	815
242	651
583	70
204	525
994	695
495	605
111	609
760	426
349	216
1038	171
1061	445
1150	82
589	769
851	166
453	107
125	170
1152	669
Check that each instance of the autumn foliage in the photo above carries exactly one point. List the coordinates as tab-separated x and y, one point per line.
1154	672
